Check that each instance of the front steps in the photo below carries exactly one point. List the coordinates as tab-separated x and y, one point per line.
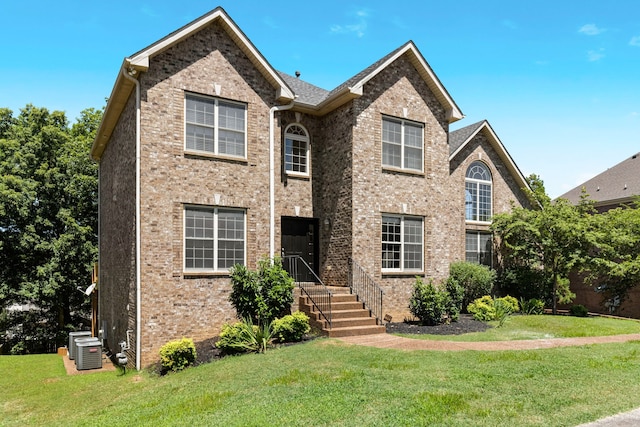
348	315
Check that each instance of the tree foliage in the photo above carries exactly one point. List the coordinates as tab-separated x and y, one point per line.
549	240
48	219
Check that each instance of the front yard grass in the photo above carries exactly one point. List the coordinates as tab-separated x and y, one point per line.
328	383
520	327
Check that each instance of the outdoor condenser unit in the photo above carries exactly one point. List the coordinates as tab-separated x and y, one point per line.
89	354
72	341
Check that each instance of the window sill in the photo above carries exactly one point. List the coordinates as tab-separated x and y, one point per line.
401	274
210	156
197	274
300	176
399	171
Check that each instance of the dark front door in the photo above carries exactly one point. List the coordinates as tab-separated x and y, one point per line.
300	237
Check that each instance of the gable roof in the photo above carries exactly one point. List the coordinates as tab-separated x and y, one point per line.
458	140
353	87
139	62
618	184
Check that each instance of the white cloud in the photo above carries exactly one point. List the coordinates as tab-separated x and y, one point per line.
591	30
635	41
595	55
358	28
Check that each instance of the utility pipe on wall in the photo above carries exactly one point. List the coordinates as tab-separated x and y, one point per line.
272	179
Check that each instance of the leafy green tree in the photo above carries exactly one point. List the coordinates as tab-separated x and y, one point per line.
614	262
552	239
48	217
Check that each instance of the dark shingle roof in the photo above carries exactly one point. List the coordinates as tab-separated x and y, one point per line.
458	137
618	183
306	92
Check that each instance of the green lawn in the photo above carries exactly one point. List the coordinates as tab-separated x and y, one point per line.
538	327
328	383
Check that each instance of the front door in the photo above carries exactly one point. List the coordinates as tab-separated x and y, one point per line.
300	237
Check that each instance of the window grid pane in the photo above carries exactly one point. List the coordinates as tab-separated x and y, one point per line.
295	155
479	248
200	126
200	239
402	144
402	247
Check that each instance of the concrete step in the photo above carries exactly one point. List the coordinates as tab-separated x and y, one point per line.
354	331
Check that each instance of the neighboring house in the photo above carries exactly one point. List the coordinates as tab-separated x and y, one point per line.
617	186
209	157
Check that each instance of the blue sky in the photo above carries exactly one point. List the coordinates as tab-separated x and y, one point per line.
558	80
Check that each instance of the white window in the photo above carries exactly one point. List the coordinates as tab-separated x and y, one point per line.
214	238
478	193
402	238
296	150
479	247
215	126
402	143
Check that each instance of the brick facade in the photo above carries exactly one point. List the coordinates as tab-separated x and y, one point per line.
347	190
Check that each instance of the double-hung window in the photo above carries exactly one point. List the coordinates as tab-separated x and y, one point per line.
296	150
215	126
479	247
402	144
478	193
402	243
214	238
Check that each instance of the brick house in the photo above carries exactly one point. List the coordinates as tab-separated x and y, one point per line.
209	157
615	187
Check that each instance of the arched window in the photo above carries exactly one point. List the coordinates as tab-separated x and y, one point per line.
478	196
296	150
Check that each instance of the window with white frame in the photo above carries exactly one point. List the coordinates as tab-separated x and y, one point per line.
402	243
479	247
478	206
296	150
214	238
402	144
215	126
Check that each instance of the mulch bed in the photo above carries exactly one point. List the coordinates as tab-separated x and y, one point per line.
465	324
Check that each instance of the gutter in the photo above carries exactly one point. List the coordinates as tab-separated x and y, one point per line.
272	185
126	75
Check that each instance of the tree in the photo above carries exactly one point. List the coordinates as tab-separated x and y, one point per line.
48	219
550	239
614	261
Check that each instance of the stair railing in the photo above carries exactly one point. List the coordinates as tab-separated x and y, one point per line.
368	291
310	285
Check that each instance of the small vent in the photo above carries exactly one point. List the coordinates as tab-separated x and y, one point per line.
72	341
89	354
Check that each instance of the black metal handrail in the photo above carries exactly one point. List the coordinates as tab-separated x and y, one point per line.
368	291
310	285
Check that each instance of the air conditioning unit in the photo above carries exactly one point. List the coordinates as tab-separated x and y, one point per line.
89	354
72	341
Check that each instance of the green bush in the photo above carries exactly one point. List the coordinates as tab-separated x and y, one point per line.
428	303
455	298
178	354
264	295
482	309
532	306
511	303
242	337
291	328
477	280
579	310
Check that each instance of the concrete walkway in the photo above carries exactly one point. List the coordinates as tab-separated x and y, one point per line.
402	343
627	419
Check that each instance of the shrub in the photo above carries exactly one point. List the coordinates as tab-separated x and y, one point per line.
291	328
178	354
532	306
477	280
428	303
482	309
511	303
579	310
455	298
244	336
264	295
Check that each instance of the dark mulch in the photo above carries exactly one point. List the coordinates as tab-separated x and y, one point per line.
464	325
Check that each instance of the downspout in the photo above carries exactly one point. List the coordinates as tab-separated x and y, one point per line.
125	74
272	179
